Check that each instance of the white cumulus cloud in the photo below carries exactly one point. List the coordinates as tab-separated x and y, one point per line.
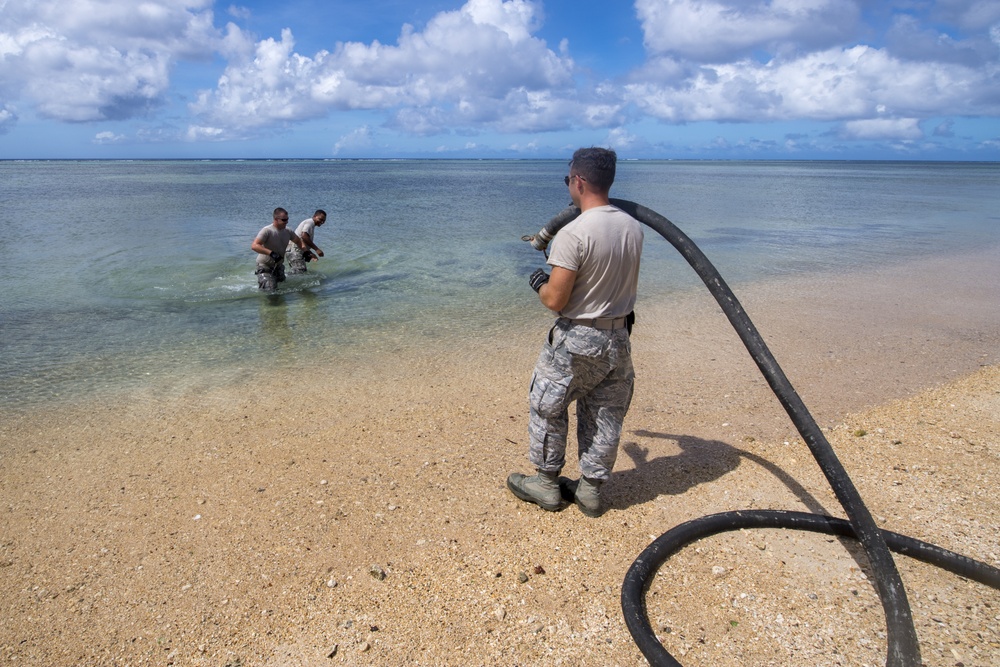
87	60
883	128
479	64
7	119
108	138
722	60
867	70
721	30
361	137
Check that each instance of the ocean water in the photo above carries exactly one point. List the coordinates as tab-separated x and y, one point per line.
135	274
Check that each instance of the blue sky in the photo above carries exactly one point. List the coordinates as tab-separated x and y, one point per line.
666	79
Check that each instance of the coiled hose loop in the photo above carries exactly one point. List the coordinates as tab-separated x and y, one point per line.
903	648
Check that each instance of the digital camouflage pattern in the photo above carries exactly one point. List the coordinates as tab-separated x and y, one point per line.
594	368
270	273
296	259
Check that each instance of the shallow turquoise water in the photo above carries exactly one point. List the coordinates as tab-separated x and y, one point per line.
122	274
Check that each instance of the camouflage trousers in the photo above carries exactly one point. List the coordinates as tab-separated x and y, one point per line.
594	368
270	274
296	260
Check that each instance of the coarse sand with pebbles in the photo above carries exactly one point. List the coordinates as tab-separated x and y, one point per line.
364	520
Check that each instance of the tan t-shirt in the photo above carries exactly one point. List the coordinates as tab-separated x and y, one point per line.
603	245
274	240
307	226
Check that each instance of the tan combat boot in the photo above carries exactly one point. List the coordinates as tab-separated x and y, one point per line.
541	489
586	493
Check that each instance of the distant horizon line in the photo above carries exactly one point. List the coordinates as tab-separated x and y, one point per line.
481	159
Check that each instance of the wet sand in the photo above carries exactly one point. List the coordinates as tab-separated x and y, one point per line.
364	520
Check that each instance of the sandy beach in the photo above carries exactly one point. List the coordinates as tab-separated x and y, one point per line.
361	517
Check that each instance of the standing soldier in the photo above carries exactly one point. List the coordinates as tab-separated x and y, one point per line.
588	356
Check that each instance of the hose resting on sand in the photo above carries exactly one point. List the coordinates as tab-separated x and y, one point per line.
903	648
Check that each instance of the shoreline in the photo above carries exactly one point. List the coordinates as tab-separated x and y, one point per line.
414	344
225	525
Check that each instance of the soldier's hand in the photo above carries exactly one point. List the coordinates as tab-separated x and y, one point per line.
537	279
275	256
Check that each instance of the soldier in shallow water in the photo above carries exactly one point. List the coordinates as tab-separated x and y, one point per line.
270	245
299	258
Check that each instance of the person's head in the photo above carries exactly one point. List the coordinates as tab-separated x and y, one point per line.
280	218
596	166
319	217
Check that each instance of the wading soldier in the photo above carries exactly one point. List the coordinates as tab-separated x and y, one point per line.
297	258
270	244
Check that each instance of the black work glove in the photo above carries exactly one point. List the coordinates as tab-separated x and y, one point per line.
275	256
537	279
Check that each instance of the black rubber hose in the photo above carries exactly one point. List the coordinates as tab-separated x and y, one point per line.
903	647
649	561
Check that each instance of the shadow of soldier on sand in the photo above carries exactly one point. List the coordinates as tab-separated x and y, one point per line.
699	461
